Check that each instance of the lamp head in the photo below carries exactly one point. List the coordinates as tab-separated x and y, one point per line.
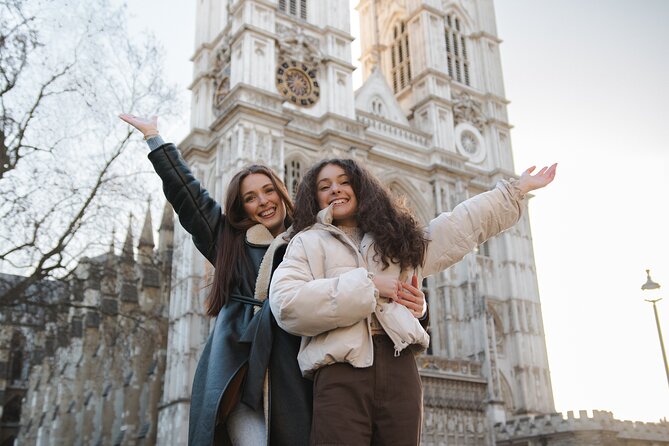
650	285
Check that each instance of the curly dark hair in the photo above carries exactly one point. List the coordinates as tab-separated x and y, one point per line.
398	236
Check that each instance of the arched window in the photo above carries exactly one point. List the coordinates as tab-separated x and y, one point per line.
399	58
377	107
296	8
15	371
293	171
456	50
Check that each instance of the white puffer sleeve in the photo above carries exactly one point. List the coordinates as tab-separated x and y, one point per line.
307	304
453	234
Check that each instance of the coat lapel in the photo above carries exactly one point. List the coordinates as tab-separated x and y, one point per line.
265	270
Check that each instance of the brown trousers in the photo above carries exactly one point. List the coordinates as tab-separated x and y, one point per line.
377	405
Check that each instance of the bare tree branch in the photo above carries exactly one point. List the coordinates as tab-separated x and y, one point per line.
66	177
12	147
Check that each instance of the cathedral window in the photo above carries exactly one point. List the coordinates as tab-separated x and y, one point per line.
377	107
457	59
296	8
293	171
17	367
399	58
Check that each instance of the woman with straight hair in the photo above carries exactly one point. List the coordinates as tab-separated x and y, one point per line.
353	248
244	244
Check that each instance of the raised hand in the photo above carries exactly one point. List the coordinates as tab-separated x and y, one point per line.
148	126
412	297
529	182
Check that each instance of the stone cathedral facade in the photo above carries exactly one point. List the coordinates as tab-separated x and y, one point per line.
272	83
92	372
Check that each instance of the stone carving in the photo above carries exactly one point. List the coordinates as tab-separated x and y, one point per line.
221	74
222	56
452	393
466	109
295	45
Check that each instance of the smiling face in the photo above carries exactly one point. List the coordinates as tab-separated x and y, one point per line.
335	188
262	202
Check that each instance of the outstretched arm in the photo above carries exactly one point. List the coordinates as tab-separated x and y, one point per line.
198	212
453	234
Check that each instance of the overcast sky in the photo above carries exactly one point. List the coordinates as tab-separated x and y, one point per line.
587	81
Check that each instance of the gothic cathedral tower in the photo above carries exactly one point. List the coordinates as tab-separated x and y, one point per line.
272	83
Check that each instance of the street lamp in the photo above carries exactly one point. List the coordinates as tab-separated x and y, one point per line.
653	286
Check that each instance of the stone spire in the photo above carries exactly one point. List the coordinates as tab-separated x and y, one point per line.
146	243
167	222
128	294
166	232
128	252
110	261
108	286
112	243
146	238
111	254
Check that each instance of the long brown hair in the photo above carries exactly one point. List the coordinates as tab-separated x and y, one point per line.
232	262
398	237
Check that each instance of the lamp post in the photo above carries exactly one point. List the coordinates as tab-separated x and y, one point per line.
652	286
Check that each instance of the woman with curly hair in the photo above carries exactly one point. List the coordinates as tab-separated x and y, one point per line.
344	287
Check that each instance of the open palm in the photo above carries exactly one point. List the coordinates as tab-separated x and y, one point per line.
544	177
148	126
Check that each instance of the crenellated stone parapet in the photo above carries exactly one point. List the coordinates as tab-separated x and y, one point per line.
570	429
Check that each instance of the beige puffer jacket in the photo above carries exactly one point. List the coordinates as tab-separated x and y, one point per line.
323	289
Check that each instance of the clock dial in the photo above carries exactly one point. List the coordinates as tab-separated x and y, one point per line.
297	83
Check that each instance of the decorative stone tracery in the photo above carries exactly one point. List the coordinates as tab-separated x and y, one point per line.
454	408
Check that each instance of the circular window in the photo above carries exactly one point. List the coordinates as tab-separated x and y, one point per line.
469	142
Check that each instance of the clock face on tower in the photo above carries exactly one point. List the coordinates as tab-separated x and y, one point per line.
297	83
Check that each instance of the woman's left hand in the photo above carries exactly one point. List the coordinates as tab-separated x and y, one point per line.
412	297
543	178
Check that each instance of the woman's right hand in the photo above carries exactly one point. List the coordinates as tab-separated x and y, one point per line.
148	126
388	286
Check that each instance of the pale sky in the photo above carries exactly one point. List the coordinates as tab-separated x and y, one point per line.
587	85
